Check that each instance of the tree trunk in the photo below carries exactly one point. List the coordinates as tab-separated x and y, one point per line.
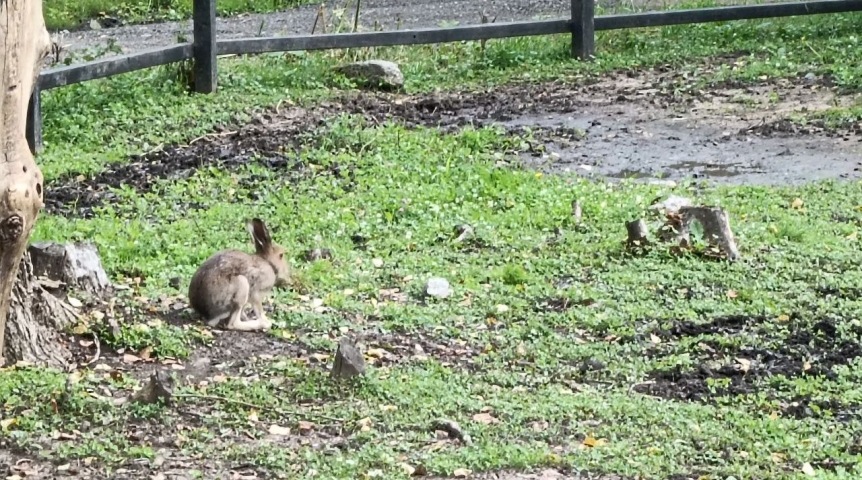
24	43
35	319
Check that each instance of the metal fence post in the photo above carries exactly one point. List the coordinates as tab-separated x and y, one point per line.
33	128
583	29
204	45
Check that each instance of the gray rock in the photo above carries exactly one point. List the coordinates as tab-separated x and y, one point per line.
375	73
438	287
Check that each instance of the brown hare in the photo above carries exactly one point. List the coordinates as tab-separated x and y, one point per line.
231	279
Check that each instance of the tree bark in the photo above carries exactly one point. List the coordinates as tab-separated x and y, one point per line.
36	318
24	43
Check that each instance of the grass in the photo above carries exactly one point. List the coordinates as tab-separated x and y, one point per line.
528	316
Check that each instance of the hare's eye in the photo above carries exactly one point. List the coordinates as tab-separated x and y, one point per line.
280	255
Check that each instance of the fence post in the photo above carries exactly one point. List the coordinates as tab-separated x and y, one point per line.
583	29
204	46
33	128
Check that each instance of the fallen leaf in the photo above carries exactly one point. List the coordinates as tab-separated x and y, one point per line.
806	366
731	294
744	364
521	351
654	338
783	318
808	470
388	408
797	203
146	353
80	329
377	263
7	422
485	418
851	236
502	308
407	468
279	430
305	426
376	353
129	358
364	424
97	315
74	302
252	416
591	441
85	343
462	473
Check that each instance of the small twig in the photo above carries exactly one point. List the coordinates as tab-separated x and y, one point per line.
208	135
98	350
257	407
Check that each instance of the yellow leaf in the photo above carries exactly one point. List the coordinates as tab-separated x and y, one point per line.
388	408
252	416
808	469
591	441
7	422
851	236
731	294
797	203
783	318
376	353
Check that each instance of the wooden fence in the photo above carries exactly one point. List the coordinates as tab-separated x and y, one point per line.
582	26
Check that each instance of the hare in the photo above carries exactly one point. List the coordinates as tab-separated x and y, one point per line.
231	279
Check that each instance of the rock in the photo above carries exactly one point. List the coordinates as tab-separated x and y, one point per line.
317	254
160	387
463	231
95	25
381	74
438	287
75	264
349	362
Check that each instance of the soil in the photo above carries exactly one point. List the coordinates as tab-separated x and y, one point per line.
628	125
724	353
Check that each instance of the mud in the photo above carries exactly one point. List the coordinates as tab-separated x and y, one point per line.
632	124
724	354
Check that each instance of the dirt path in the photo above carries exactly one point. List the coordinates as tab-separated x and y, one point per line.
387	13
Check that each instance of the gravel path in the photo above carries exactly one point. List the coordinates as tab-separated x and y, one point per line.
387	13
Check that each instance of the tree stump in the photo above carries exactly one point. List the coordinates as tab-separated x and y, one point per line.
75	264
37	317
716	229
348	362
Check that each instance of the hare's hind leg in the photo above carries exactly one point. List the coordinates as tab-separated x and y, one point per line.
238	302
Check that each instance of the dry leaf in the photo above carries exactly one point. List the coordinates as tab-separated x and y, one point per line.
377	262
744	364
305	426
808	470
731	294
797	203
252	416
654	338
462	473
388	408
7	422
502	308
783	318
591	441
129	358
278	430
146	353
74	302
806	366
485	418
376	353
85	343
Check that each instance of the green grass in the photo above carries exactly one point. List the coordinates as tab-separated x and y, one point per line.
521	363
66	14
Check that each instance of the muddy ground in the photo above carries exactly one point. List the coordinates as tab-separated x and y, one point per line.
628	125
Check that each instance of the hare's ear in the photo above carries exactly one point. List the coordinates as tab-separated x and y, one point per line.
259	235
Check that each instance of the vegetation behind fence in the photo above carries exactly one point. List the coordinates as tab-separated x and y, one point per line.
582	25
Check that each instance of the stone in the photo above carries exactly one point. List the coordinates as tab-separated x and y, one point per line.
75	264
381	74
438	287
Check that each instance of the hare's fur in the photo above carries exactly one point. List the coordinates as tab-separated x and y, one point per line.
231	279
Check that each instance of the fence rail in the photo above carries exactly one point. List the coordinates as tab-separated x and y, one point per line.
582	25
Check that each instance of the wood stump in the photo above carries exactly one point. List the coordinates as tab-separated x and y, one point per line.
36	316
